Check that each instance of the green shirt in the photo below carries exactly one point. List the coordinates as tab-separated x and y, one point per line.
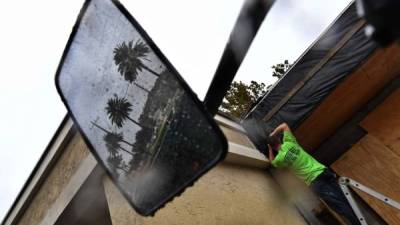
291	155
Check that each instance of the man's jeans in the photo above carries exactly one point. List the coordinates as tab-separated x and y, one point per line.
327	188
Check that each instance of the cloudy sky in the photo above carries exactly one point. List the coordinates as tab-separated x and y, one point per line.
192	34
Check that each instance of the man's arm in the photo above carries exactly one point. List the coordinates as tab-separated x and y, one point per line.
271	156
282	127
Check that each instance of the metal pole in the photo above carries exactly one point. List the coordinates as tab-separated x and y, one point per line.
249	21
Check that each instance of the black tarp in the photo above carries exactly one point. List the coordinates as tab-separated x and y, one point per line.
355	50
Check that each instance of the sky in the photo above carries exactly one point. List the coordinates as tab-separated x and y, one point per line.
191	34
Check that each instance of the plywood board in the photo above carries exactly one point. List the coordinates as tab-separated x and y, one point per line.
371	163
349	97
384	122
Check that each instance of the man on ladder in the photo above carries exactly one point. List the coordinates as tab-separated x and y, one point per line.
322	180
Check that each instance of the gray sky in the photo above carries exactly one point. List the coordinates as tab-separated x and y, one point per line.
192	34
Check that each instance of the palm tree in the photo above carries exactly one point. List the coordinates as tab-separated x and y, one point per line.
115	162
118	110
129	59
113	141
137	161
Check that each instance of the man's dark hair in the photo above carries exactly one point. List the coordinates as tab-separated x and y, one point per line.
275	140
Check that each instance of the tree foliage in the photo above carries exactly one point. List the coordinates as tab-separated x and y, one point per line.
280	69
240	97
118	110
113	140
129	59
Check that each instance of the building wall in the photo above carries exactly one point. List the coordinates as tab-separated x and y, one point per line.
60	175
228	194
237	191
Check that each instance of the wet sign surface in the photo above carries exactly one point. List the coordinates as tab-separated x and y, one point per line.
139	118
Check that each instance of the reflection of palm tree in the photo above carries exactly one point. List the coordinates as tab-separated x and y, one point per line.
137	161
118	111
115	162
129	59
113	141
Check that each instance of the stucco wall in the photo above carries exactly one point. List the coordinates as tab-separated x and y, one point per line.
64	169
228	194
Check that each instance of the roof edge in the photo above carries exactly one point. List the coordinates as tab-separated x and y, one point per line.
315	42
44	165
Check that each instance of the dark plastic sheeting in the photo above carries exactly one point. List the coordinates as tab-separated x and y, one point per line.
300	105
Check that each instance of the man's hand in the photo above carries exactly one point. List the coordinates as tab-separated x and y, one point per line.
282	127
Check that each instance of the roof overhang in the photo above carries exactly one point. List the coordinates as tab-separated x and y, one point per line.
329	61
